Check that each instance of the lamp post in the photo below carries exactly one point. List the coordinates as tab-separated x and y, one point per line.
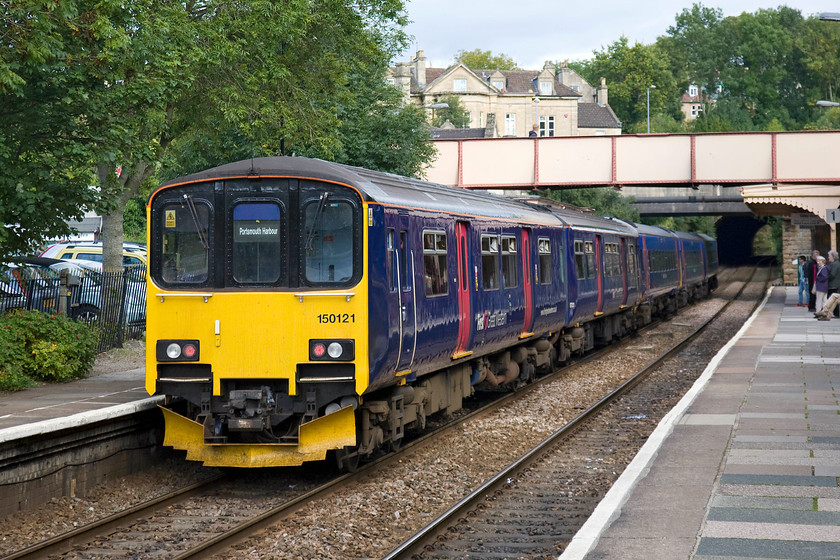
537	111
648	106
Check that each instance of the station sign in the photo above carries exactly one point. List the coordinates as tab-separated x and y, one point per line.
832	215
805	219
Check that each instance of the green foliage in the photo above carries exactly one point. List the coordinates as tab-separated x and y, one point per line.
630	71
91	85
485	60
604	201
697	224
35	346
829	119
727	115
455	113
659	124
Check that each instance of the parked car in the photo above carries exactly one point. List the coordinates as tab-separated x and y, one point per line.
33	283
133	253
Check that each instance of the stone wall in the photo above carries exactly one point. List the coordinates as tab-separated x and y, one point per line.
796	241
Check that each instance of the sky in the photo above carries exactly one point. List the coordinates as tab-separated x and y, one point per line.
533	31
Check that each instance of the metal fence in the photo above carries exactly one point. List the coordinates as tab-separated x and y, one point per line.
114	303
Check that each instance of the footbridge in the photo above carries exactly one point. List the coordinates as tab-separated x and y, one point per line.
722	174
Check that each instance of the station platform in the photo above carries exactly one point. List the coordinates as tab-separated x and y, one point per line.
55	407
747	465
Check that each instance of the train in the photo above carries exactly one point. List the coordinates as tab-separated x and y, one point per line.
300	309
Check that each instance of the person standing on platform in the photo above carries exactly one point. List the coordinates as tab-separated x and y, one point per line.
821	283
811	274
833	276
802	280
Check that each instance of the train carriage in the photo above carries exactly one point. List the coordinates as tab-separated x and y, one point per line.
298	307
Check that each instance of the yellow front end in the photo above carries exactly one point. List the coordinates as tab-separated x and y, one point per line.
260	336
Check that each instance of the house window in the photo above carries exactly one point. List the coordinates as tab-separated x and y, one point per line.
499	85
546	125
481	119
460	84
692	90
510	124
435	279
391	81
545	88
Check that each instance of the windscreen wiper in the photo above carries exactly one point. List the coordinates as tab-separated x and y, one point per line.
202	234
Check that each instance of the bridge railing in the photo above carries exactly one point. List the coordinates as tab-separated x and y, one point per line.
742	158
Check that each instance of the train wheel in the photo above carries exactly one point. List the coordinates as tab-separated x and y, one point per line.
347	459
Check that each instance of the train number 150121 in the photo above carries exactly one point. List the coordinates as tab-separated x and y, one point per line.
332	318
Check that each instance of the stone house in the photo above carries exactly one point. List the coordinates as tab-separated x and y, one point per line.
510	102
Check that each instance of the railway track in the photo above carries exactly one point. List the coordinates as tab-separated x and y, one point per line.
534	507
209	518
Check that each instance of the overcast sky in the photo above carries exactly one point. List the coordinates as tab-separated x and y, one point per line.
533	31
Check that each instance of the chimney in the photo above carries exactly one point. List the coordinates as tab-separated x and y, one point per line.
490	129
565	73
420	69
402	79
550	67
602	93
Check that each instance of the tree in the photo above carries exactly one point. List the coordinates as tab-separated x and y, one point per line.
630	71
485	60
454	113
44	155
270	76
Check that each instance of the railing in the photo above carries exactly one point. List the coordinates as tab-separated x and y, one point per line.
112	302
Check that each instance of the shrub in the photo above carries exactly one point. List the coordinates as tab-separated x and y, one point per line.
35	346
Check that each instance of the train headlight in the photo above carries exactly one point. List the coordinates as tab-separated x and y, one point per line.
342	350
177	350
335	350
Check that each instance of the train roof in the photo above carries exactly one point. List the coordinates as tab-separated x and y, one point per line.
396	190
377	186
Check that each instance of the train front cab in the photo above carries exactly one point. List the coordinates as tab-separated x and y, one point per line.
257	318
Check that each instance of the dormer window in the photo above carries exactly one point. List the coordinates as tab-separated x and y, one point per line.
692	90
499	84
459	84
545	88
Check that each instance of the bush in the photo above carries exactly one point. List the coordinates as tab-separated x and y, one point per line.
35	346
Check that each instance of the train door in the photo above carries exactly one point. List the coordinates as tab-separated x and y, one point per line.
406	298
527	283
599	272
625	271
464	292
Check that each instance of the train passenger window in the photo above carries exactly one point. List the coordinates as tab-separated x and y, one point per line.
186	242
613	259
328	241
257	255
579	258
631	259
544	263
489	262
435	276
510	278
590	260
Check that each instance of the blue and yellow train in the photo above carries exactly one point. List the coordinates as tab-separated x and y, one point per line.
298	307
